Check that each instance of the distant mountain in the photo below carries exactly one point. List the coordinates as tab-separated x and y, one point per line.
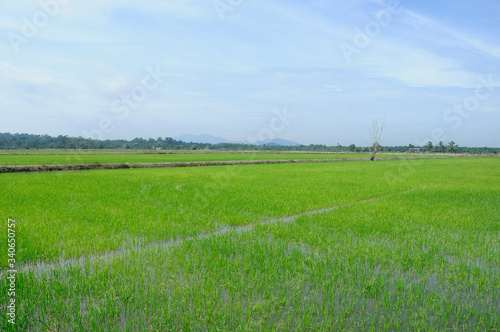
277	142
216	140
201	139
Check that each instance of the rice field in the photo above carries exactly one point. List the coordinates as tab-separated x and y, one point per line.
104	158
386	246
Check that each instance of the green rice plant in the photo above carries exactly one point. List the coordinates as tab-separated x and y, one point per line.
69	214
322	271
101	158
125	250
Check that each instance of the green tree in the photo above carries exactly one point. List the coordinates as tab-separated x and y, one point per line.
429	146
452	147
441	147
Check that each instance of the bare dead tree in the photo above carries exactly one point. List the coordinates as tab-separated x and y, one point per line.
376	138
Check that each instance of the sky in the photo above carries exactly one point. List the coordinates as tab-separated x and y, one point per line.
313	72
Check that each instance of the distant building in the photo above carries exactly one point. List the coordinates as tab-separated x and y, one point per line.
415	150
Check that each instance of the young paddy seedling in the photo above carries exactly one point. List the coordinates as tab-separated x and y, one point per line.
419	254
120	158
108	209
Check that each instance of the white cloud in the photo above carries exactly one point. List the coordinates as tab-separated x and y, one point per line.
113	85
9	72
100	9
477	44
417	20
402	56
335	88
265	54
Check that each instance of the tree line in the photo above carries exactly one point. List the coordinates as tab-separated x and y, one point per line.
30	141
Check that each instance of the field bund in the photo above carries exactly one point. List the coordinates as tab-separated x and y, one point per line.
48	161
83	167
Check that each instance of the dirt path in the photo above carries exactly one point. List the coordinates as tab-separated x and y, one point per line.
95	166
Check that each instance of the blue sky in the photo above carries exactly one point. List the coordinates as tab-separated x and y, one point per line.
228	67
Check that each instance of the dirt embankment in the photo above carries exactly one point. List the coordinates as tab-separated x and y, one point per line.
80	167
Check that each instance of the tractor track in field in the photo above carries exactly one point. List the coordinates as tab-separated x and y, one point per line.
140	246
41	267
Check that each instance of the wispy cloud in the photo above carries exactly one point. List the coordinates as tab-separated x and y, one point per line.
11	73
265	54
418	20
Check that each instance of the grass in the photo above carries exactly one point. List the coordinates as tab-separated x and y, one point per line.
72	158
108	208
412	245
